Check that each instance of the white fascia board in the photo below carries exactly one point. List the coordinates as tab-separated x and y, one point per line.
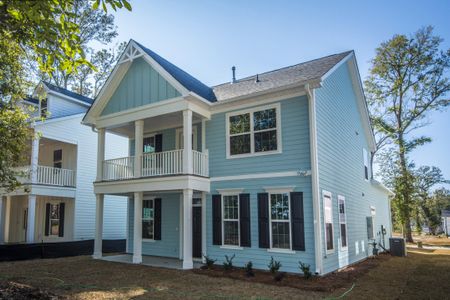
382	186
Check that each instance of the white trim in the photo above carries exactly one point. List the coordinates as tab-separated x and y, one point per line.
326	194
230	247
230	192
279	189
277	250
336	66
342	198
252	132
257	176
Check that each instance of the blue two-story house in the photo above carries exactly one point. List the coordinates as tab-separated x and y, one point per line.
277	164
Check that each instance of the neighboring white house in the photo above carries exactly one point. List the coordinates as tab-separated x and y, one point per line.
56	202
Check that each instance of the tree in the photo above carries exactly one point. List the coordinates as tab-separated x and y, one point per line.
44	30
406	82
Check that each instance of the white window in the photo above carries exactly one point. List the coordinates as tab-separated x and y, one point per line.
366	164
342	222
280	220
254	132
148	212
328	211
230	225
54	219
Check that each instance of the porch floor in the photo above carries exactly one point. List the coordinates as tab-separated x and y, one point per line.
152	261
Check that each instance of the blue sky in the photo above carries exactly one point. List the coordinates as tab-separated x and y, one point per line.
206	38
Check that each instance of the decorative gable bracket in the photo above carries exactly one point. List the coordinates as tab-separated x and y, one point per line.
131	53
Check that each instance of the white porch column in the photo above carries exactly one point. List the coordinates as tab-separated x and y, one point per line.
187	229
138	146
7	219
31	218
100	152
187	142
203	135
98	226
203	226
34	159
137	230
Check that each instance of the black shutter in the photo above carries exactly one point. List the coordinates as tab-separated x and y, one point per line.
298	221
263	220
158	143
61	219
244	219
217	219
47	219
157	219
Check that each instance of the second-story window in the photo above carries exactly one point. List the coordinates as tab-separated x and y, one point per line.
253	132
57	159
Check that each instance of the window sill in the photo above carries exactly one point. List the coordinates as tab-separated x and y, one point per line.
255	154
286	251
231	247
148	240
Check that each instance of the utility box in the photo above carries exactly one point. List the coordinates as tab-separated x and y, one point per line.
397	246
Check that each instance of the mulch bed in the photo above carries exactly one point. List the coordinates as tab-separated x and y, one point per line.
326	283
18	291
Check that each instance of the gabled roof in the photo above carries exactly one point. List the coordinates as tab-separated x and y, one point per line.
68	93
296	74
188	81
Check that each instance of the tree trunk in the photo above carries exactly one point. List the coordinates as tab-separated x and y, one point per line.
405	191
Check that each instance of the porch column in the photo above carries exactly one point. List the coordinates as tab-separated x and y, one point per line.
34	159
100	152
203	226
98	226
187	229
137	230
187	142
7	219
138	146
203	135
2	219
31	218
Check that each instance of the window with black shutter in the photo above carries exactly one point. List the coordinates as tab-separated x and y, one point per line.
217	219
298	221
263	220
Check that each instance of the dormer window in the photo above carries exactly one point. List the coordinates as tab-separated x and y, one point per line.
43	108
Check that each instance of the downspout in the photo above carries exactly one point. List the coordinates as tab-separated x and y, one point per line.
315	178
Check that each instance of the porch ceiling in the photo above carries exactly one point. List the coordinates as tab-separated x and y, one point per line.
155	124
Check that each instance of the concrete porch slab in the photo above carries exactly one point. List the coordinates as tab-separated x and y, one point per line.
152	261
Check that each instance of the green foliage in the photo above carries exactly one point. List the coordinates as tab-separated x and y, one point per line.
249	269
228	263
274	265
209	262
407	81
305	268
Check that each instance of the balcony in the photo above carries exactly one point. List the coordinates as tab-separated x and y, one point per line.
47	176
164	163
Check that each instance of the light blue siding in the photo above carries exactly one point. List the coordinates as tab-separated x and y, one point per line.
141	85
295	148
169	245
341	140
259	256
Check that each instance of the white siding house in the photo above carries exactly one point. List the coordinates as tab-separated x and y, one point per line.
56	202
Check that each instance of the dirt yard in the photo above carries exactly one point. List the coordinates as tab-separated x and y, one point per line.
424	274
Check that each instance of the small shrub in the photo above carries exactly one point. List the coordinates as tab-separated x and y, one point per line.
249	269
274	265
279	276
209	262
305	268
228	263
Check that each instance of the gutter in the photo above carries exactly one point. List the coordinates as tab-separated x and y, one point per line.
315	178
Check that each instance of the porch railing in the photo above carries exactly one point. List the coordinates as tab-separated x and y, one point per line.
47	175
155	164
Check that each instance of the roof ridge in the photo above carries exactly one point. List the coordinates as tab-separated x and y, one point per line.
286	67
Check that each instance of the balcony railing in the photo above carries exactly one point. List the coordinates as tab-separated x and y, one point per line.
154	164
47	175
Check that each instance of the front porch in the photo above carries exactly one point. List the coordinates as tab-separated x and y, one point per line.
151	261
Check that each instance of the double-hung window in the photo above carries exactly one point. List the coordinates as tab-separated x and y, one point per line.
254	131
54	219
328	219
342	222
280	221
231	220
148	231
